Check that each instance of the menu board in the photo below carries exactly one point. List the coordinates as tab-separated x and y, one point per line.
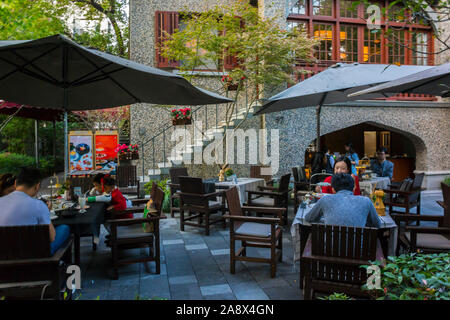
105	154
81	156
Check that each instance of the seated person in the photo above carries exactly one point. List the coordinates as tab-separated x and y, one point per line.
97	190
114	197
381	166
342	165
7	184
20	208
344	208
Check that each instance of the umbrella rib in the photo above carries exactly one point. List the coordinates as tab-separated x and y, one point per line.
113	80
96	78
89	74
27	72
36	67
23	66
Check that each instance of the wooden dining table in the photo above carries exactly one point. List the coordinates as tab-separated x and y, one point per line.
82	224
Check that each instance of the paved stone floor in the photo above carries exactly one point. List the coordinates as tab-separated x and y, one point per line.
195	266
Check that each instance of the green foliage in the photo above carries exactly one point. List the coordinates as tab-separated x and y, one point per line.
336	296
163	185
414	277
11	162
447	181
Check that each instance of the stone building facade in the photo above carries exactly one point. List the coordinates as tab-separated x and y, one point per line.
425	124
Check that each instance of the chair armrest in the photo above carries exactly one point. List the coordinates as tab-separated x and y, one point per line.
405	193
174	185
204	195
262	188
436	230
57	256
127	222
270	182
442	204
129	210
415	217
139	201
263	209
263	193
252	219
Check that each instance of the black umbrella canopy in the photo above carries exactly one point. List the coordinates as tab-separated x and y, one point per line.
335	84
55	72
434	81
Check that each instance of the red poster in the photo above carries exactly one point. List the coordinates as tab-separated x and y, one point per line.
105	156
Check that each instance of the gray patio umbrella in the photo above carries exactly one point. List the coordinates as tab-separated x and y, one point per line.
435	81
333	85
57	73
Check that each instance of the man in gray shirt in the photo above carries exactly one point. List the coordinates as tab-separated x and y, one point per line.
343	208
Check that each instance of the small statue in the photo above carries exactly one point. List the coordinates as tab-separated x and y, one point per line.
222	172
377	199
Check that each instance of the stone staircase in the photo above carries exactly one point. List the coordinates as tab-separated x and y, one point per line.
187	153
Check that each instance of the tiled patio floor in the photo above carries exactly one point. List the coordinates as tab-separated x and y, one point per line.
195	266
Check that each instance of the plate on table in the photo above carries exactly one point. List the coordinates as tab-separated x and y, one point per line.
317	195
85	207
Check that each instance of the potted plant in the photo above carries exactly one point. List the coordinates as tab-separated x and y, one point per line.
181	116
230	85
127	152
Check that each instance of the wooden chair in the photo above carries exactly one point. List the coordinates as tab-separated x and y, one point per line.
27	270
253	232
199	204
272	197
406	196
426	238
127	180
174	186
129	234
333	256
255	172
300	185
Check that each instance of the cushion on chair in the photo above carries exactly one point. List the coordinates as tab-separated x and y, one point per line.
263	201
214	204
430	240
254	229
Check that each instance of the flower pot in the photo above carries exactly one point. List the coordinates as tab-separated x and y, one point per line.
232	87
181	122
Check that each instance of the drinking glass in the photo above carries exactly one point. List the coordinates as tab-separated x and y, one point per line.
82	203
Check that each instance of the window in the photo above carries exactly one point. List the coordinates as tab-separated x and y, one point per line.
396	13
347	11
396	52
166	22
419	48
299	7
322	7
372	46
349	43
297	24
324	32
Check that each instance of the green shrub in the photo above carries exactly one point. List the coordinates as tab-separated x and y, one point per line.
336	296
447	181
11	162
163	185
414	277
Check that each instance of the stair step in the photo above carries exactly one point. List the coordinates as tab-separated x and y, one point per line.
154	172
164	165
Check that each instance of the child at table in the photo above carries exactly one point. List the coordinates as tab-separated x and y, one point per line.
99	191
114	197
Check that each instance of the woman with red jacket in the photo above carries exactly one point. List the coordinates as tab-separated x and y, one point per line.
342	165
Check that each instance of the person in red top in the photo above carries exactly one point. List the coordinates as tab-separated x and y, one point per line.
342	165
118	201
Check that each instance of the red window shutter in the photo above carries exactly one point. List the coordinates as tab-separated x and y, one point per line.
231	61
165	22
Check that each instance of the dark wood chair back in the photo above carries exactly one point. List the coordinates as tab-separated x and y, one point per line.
284	182
158	199
175	173
85	183
342	242
24	242
302	174
446	195
126	176
194	186
295	174
417	182
255	172
233	202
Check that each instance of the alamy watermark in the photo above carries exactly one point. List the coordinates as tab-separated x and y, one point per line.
73	282
232	146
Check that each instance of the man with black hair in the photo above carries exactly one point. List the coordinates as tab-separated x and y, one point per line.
343	208
20	208
381	166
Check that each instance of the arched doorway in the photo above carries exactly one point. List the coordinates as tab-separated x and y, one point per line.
404	148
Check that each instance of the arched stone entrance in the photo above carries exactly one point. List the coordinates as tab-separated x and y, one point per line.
406	150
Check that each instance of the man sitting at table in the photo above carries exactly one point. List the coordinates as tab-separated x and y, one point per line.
381	166
20	208
343	208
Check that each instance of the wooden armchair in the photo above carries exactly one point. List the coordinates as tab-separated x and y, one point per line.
255	172
300	186
129	234
272	197
333	256
253	232
27	270
406	196
427	239
127	180
174	185
199	204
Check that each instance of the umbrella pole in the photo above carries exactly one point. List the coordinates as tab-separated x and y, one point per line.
66	147
36	142
318	111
